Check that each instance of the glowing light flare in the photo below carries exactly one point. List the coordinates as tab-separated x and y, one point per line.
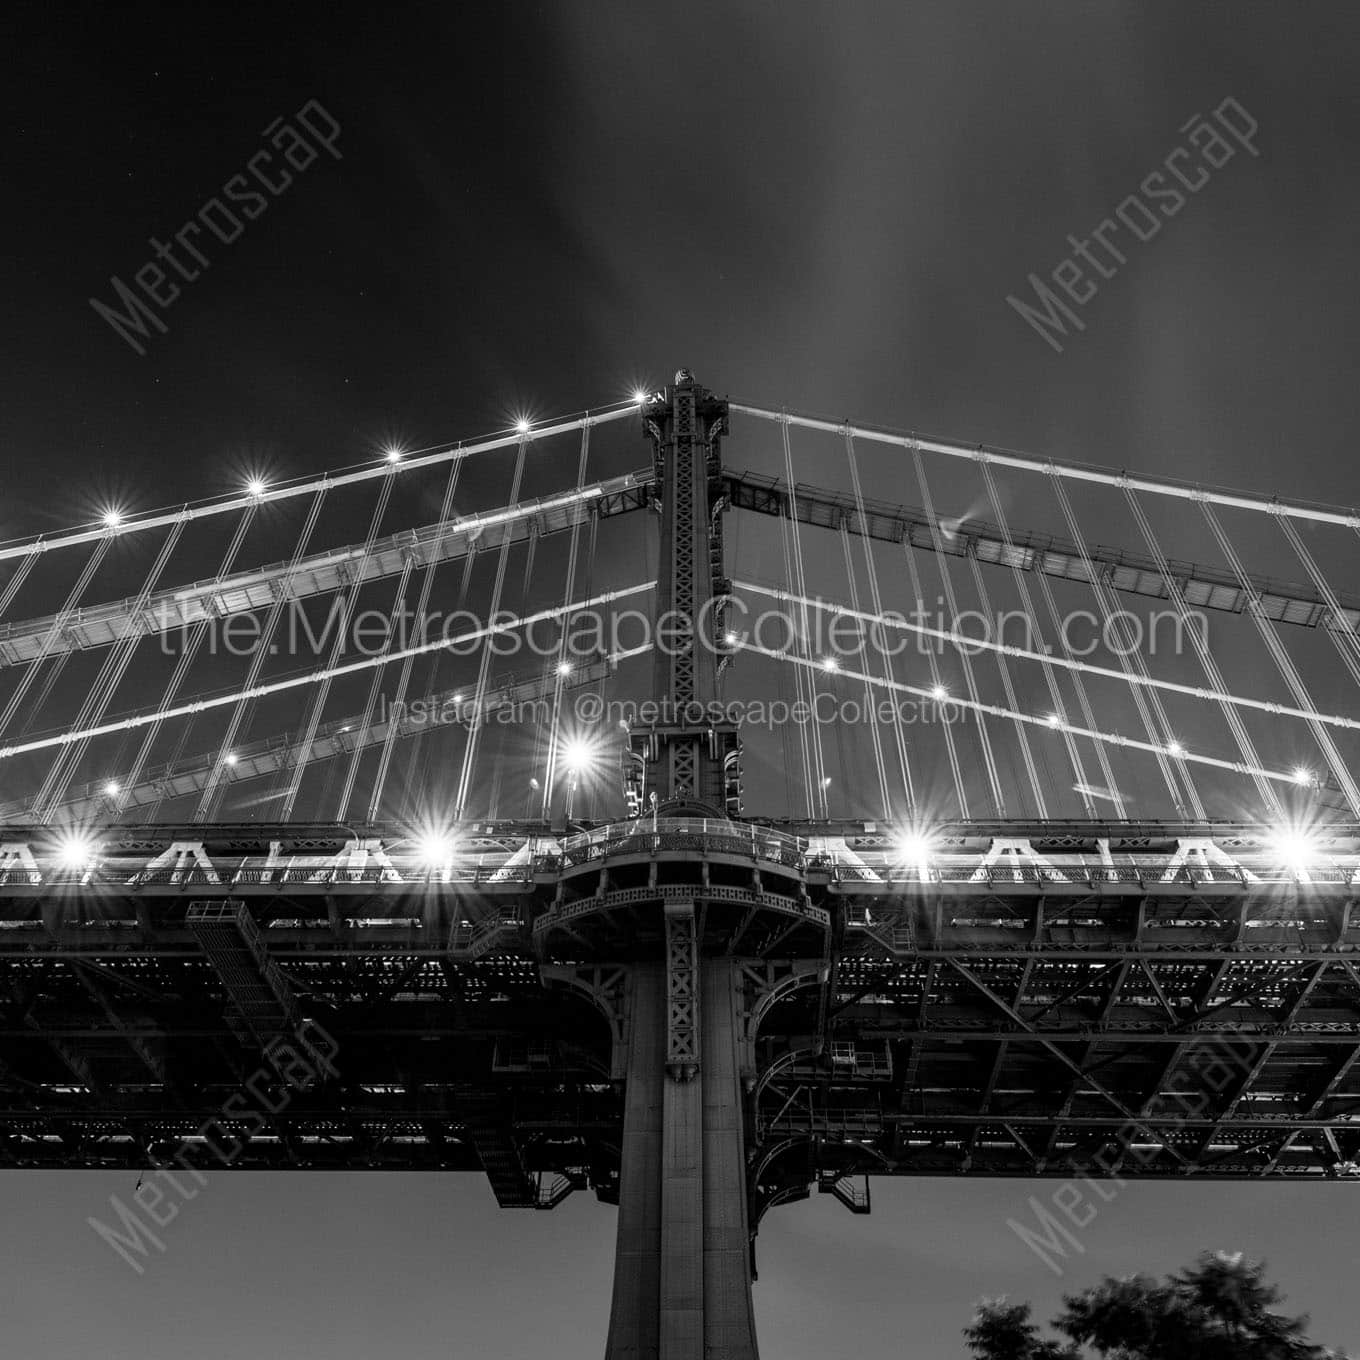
939	694
393	454
578	755
111	518
829	663
1297	848
76	852
435	849
522	425
564	668
1301	774
914	847
1175	749
112	788
256	487
639	395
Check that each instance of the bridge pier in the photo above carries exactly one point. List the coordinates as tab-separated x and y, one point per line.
682	1276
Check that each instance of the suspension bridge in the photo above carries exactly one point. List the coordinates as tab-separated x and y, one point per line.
724	836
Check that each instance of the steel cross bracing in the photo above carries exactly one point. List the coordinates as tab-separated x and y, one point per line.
176	610
697	1016
1032	980
1128	572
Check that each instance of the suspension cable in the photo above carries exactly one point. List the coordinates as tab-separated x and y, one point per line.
1032	615
410	462
16	581
100	693
876	599
408	662
1008	687
998	711
562	666
1342	635
1072	471
54	633
871	708
323	690
305	678
212	789
374	689
1206	657
938	692
484	666
988	759
1071	664
818	783
1161	739
186	660
1285	663
1111	788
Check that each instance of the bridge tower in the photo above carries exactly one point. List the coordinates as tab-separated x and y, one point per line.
682	1283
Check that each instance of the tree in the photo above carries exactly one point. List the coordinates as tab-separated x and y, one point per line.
1221	1308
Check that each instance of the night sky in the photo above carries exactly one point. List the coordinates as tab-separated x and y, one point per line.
534	209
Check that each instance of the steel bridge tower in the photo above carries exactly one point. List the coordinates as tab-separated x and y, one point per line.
682	1284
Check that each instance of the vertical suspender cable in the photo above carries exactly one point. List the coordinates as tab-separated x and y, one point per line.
186	659
374	688
1162	739
1206	658
1003	667
101	692
1284	662
396	711
213	787
58	627
1342	634
814	719
796	641
870	700
16	581
323	690
1111	789
1032	615
876	599
562	663
970	679
484	668
799	677
937	684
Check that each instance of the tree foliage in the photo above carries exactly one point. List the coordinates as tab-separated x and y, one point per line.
1221	1308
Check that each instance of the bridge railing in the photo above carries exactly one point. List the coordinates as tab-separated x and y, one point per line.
712	835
